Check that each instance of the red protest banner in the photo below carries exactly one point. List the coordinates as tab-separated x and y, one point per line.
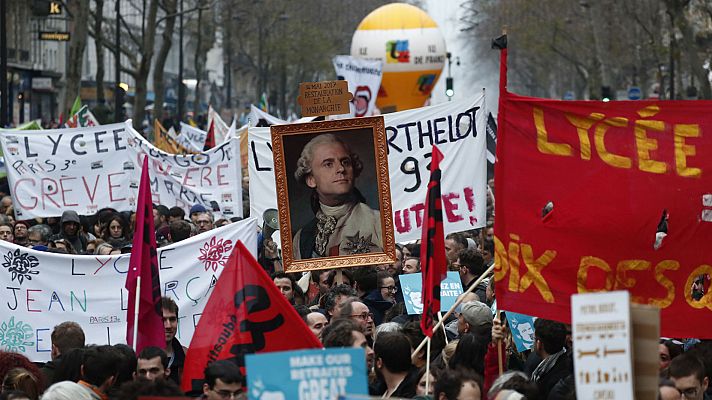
245	314
595	196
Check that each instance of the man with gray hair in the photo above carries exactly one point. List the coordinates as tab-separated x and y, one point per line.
343	224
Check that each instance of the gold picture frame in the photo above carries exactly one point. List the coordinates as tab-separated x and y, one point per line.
297	201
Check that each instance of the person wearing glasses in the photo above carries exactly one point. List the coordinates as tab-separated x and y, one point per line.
223	381
353	309
382	298
204	221
687	372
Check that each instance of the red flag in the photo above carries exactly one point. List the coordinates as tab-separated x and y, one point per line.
210	140
144	264
245	314
432	246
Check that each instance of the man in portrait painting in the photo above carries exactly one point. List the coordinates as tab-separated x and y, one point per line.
343	224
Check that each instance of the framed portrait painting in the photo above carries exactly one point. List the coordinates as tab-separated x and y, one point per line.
333	194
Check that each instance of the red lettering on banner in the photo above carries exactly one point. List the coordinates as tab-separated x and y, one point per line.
65	190
411	218
91	195
450	207
29	299
205	176
52	189
220	175
111	188
19	200
187	177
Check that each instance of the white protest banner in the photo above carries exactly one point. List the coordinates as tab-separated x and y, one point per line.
601	329
457	128
258	117
212	178
260	166
44	289
364	78
220	128
85	169
82	119
192	138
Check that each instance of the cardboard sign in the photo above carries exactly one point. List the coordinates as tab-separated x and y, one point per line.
522	327
601	328
324	98
307	374
412	286
41	290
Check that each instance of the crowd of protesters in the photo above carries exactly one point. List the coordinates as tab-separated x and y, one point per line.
356	307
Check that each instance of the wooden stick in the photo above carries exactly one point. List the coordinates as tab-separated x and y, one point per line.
427	367
136	310
339	277
499	357
440	318
452	309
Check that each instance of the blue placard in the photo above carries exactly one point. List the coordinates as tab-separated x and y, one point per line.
569	95
412	286
522	328
307	374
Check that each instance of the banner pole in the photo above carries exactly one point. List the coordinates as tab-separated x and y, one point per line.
499	357
427	366
452	309
440	318
136	301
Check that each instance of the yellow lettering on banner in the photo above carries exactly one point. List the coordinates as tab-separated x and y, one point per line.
533	274
625	282
609	158
583	124
542	137
645	145
706	300
513	263
665	265
582	276
501	260
683	150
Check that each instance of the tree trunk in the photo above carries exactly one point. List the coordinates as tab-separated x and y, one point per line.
77	44
99	47
158	84
145	67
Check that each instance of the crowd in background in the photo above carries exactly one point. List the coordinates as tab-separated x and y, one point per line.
354	307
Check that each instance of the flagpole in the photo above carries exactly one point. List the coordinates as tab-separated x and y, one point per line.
136	301
450	311
427	366
440	318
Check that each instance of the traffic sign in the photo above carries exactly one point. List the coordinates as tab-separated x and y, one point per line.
634	93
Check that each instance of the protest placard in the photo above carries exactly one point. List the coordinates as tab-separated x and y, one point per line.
364	79
192	138
43	289
601	329
412	286
86	169
307	374
458	128
522	328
